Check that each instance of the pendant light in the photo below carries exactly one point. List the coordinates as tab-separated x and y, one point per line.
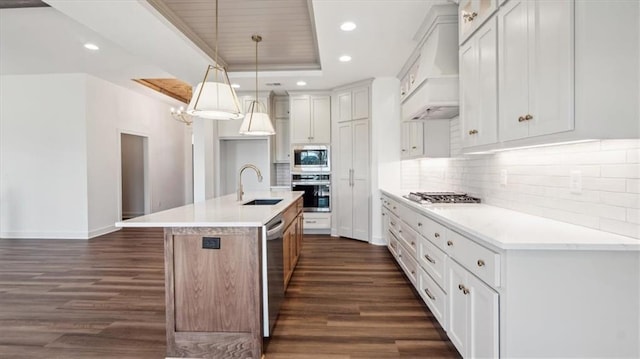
215	99
256	121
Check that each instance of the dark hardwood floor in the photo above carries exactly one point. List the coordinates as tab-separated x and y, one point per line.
104	298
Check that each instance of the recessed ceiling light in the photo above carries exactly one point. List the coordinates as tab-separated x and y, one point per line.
345	58
235	86
301	83
91	46
347	26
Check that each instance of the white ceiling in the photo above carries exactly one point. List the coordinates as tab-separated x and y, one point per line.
137	42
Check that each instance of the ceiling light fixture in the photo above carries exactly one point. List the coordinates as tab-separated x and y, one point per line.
181	116
216	99
256	121
345	58
348	26
92	47
301	83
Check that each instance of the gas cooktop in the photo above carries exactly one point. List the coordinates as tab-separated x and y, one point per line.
441	197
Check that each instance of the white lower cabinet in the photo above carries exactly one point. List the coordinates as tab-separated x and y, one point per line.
433	296
473	325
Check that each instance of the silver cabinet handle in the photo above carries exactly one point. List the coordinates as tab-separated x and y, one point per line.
308	221
449	243
480	263
437	235
426	256
426	291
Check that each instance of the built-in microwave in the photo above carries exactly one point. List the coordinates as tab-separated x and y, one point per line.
310	158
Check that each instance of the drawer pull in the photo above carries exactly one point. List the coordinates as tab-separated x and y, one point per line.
464	289
528	117
449	243
399	230
307	221
394	207
480	263
426	291
426	256
473	132
384	214
469	17
393	223
413	272
419	224
437	235
521	119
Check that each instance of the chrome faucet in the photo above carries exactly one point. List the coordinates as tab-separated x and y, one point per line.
240	191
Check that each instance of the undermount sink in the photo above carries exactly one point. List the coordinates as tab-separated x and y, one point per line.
263	202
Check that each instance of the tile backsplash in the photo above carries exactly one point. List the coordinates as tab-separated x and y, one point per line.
283	174
593	184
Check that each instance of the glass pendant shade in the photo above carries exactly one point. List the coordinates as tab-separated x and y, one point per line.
214	100
256	123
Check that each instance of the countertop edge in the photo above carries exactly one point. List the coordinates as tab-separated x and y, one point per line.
479	237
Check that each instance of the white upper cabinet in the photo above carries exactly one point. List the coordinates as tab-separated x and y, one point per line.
472	14
353	104
536	43
310	117
282	144
425	139
479	87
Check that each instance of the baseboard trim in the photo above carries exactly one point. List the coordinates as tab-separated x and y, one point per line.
101	231
378	241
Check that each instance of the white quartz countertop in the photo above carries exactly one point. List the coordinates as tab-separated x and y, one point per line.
507	229
223	211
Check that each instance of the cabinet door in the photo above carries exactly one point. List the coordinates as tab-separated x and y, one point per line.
472	13
344	196
483	319
321	119
281	108
551	53
416	139
514	62
282	140
458	309
300	117
360	108
479	87
360	180
404	139
344	106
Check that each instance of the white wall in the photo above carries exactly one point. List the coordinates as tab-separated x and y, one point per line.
112	110
43	164
538	181
60	154
385	135
236	153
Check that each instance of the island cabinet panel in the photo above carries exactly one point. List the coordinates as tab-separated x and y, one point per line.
213	296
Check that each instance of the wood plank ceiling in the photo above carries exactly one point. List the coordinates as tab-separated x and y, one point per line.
286	26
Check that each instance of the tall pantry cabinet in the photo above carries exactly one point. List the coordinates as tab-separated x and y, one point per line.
351	158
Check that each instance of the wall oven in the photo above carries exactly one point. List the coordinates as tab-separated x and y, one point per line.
316	188
310	158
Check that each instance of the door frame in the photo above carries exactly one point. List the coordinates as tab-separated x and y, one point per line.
146	180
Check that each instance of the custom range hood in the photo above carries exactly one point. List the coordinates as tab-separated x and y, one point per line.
429	85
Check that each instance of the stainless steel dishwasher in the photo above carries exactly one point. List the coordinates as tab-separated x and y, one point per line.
273	272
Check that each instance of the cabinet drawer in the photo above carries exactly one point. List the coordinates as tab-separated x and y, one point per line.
433	296
409	237
393	244
394	224
394	207
482	262
317	221
408	264
432	260
409	217
433	231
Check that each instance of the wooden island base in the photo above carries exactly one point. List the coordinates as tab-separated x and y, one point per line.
214	296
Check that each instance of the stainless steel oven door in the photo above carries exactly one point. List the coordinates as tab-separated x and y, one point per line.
317	196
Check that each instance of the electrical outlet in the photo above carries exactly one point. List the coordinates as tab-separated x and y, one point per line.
504	176
575	183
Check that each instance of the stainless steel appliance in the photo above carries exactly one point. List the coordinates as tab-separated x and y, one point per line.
441	197
310	158
273	279
317	191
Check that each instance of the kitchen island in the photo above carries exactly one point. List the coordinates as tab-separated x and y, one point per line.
219	280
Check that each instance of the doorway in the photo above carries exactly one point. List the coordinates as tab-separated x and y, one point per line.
133	150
